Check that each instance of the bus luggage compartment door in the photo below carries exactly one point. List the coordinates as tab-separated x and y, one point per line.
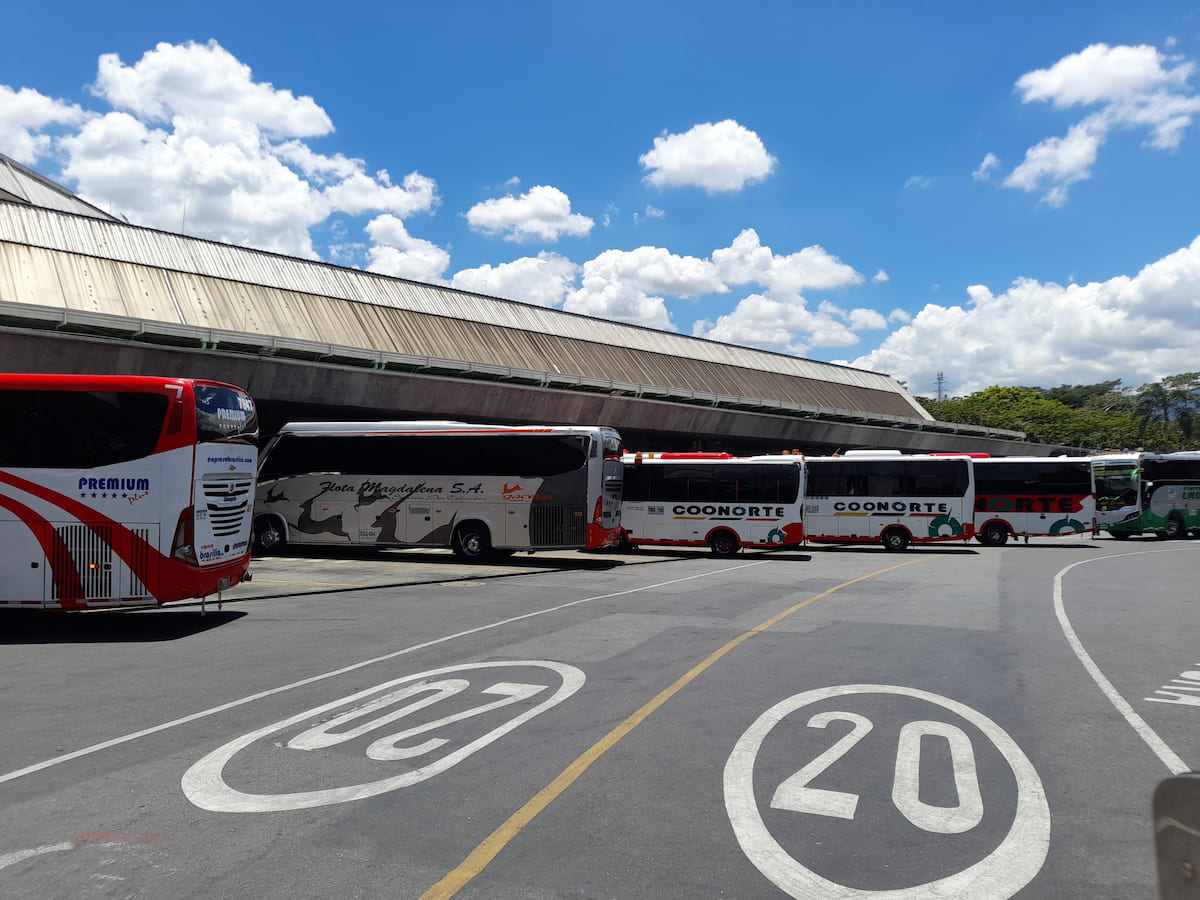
24	583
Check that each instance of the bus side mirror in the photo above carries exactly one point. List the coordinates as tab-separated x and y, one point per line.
1177	836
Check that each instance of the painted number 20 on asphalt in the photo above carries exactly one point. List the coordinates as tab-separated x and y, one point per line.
795	794
1008	868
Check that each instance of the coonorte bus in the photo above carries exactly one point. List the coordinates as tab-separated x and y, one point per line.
483	490
713	500
123	490
893	499
1027	496
1148	493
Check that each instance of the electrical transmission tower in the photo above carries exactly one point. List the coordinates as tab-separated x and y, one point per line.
941	386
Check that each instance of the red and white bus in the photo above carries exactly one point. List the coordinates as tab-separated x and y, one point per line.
868	496
714	500
1033	496
484	491
123	490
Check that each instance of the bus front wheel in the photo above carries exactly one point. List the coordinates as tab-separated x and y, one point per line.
993	535
269	536
472	543
724	544
895	539
1175	530
1119	535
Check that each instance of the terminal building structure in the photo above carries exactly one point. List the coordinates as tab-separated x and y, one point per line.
83	291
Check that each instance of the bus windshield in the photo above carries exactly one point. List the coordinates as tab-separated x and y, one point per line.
1115	484
224	414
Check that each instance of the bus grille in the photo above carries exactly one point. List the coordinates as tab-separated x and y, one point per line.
228	502
87	550
557	526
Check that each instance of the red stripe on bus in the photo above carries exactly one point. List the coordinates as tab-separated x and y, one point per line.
123	540
67	584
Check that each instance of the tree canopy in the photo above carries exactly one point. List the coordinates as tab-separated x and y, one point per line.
1159	416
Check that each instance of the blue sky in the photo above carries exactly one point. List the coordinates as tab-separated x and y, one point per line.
805	178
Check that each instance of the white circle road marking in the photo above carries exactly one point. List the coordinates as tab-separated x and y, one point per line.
1007	869
232	704
11	859
204	785
1175	765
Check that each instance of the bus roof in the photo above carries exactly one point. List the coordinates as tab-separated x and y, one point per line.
38	381
703	457
1034	459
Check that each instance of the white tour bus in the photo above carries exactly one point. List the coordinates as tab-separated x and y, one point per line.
712	499
482	490
1033	496
888	497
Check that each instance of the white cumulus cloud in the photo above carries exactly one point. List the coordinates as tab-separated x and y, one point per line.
543	212
624	285
191	142
747	261
1138	328
1132	88
544	280
778	317
205	81
717	156
396	252
24	116
990	163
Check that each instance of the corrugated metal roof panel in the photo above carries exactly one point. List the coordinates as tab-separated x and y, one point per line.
88	284
24	185
189	255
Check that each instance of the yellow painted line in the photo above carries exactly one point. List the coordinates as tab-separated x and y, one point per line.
315	583
489	849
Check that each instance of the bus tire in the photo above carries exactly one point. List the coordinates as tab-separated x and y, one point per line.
895	539
269	536
472	542
724	544
1175	530
993	535
1119	535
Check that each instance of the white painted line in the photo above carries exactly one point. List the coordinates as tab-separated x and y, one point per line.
185	720
11	859
1169	757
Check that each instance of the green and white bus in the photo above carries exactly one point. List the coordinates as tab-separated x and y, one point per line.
1148	493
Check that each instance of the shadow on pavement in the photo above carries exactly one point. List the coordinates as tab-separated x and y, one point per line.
108	626
940	549
517	560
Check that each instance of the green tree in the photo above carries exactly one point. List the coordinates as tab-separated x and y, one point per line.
1043	420
1079	396
1165	411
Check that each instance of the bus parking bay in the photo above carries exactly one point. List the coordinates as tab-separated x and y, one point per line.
349	570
